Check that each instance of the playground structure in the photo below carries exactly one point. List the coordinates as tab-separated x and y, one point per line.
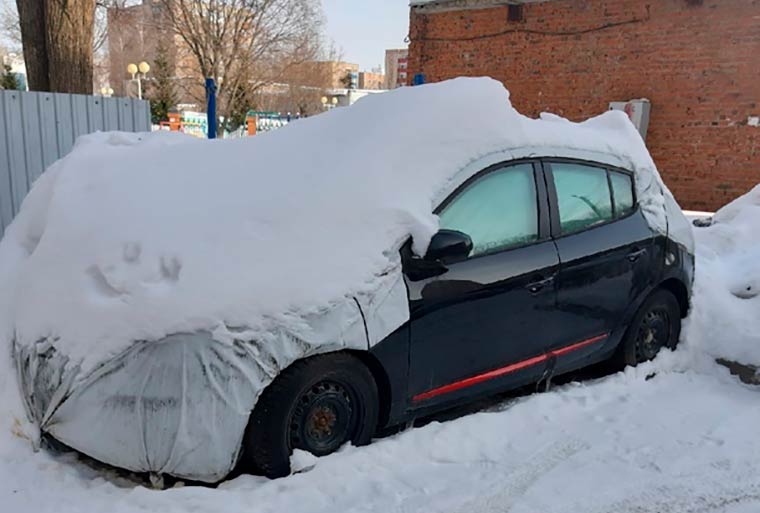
196	124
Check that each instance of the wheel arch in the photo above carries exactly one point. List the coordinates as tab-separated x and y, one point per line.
382	382
681	293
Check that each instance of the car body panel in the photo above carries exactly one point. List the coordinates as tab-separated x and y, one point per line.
602	276
481	314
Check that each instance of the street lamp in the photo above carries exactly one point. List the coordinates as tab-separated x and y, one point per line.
329	104
106	91
136	70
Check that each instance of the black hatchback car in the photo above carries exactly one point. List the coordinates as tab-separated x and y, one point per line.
549	258
541	267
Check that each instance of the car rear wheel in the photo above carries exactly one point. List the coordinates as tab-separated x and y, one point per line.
655	326
316	405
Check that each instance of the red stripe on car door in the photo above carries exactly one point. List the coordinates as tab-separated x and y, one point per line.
503	371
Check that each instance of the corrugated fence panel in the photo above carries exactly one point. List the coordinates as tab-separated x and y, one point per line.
48	131
6	201
95	113
64	123
36	129
16	148
30	117
111	113
126	118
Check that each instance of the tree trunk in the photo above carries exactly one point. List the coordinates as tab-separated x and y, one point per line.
32	20
70	29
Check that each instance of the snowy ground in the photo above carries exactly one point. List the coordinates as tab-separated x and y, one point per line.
678	435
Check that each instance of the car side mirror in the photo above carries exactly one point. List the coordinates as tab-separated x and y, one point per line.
449	246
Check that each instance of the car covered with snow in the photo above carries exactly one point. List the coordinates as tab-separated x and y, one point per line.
178	306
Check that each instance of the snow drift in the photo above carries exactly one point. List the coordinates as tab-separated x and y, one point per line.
726	309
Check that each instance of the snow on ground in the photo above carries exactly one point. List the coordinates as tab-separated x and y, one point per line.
726	318
678	435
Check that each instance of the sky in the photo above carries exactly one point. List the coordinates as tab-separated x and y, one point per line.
363	29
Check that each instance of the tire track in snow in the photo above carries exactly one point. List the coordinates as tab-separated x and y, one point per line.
665	499
517	482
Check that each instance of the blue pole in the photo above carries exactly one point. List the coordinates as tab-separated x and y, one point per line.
211	107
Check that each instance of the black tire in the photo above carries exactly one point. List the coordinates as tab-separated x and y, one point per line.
656	325
317	405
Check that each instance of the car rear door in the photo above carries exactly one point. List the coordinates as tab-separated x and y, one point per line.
482	323
606	254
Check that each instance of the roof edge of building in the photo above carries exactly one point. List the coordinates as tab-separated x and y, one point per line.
460	5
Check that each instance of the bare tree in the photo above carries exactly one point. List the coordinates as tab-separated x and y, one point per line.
245	44
57	36
303	86
9	25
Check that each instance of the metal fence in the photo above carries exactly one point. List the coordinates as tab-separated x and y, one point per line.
36	129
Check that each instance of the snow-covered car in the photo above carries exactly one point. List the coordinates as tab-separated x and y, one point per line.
179	307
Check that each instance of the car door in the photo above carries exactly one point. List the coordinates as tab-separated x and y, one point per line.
606	252
482	323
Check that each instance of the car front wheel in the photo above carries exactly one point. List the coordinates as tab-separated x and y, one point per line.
316	405
655	326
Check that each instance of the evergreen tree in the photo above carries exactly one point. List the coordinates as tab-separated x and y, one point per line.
8	80
163	96
347	80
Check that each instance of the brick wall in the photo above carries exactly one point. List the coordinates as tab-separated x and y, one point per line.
698	61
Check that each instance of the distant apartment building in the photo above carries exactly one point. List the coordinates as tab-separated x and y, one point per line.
134	35
369	80
396	62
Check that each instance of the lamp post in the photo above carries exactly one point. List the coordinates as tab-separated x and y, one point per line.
106	91
136	70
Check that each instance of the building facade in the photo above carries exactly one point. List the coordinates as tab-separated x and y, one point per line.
396	73
135	34
368	80
695	60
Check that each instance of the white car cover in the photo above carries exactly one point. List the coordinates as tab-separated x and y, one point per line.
153	285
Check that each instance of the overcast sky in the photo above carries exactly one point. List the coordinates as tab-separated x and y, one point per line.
363	29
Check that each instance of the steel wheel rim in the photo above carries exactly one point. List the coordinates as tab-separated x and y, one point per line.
325	418
653	334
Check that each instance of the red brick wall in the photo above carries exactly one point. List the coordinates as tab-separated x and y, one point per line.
698	64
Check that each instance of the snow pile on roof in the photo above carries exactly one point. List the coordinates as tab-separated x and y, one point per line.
725	322
135	237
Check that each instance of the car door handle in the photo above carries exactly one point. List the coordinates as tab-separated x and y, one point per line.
635	255
538	286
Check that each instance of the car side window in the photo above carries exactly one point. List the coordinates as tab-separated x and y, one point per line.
583	194
622	193
498	211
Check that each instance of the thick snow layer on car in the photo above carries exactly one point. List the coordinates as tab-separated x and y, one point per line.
729	274
137	237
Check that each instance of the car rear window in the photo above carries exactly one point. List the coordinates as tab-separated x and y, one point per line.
622	192
583	193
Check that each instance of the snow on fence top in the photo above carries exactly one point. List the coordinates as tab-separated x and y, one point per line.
134	237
